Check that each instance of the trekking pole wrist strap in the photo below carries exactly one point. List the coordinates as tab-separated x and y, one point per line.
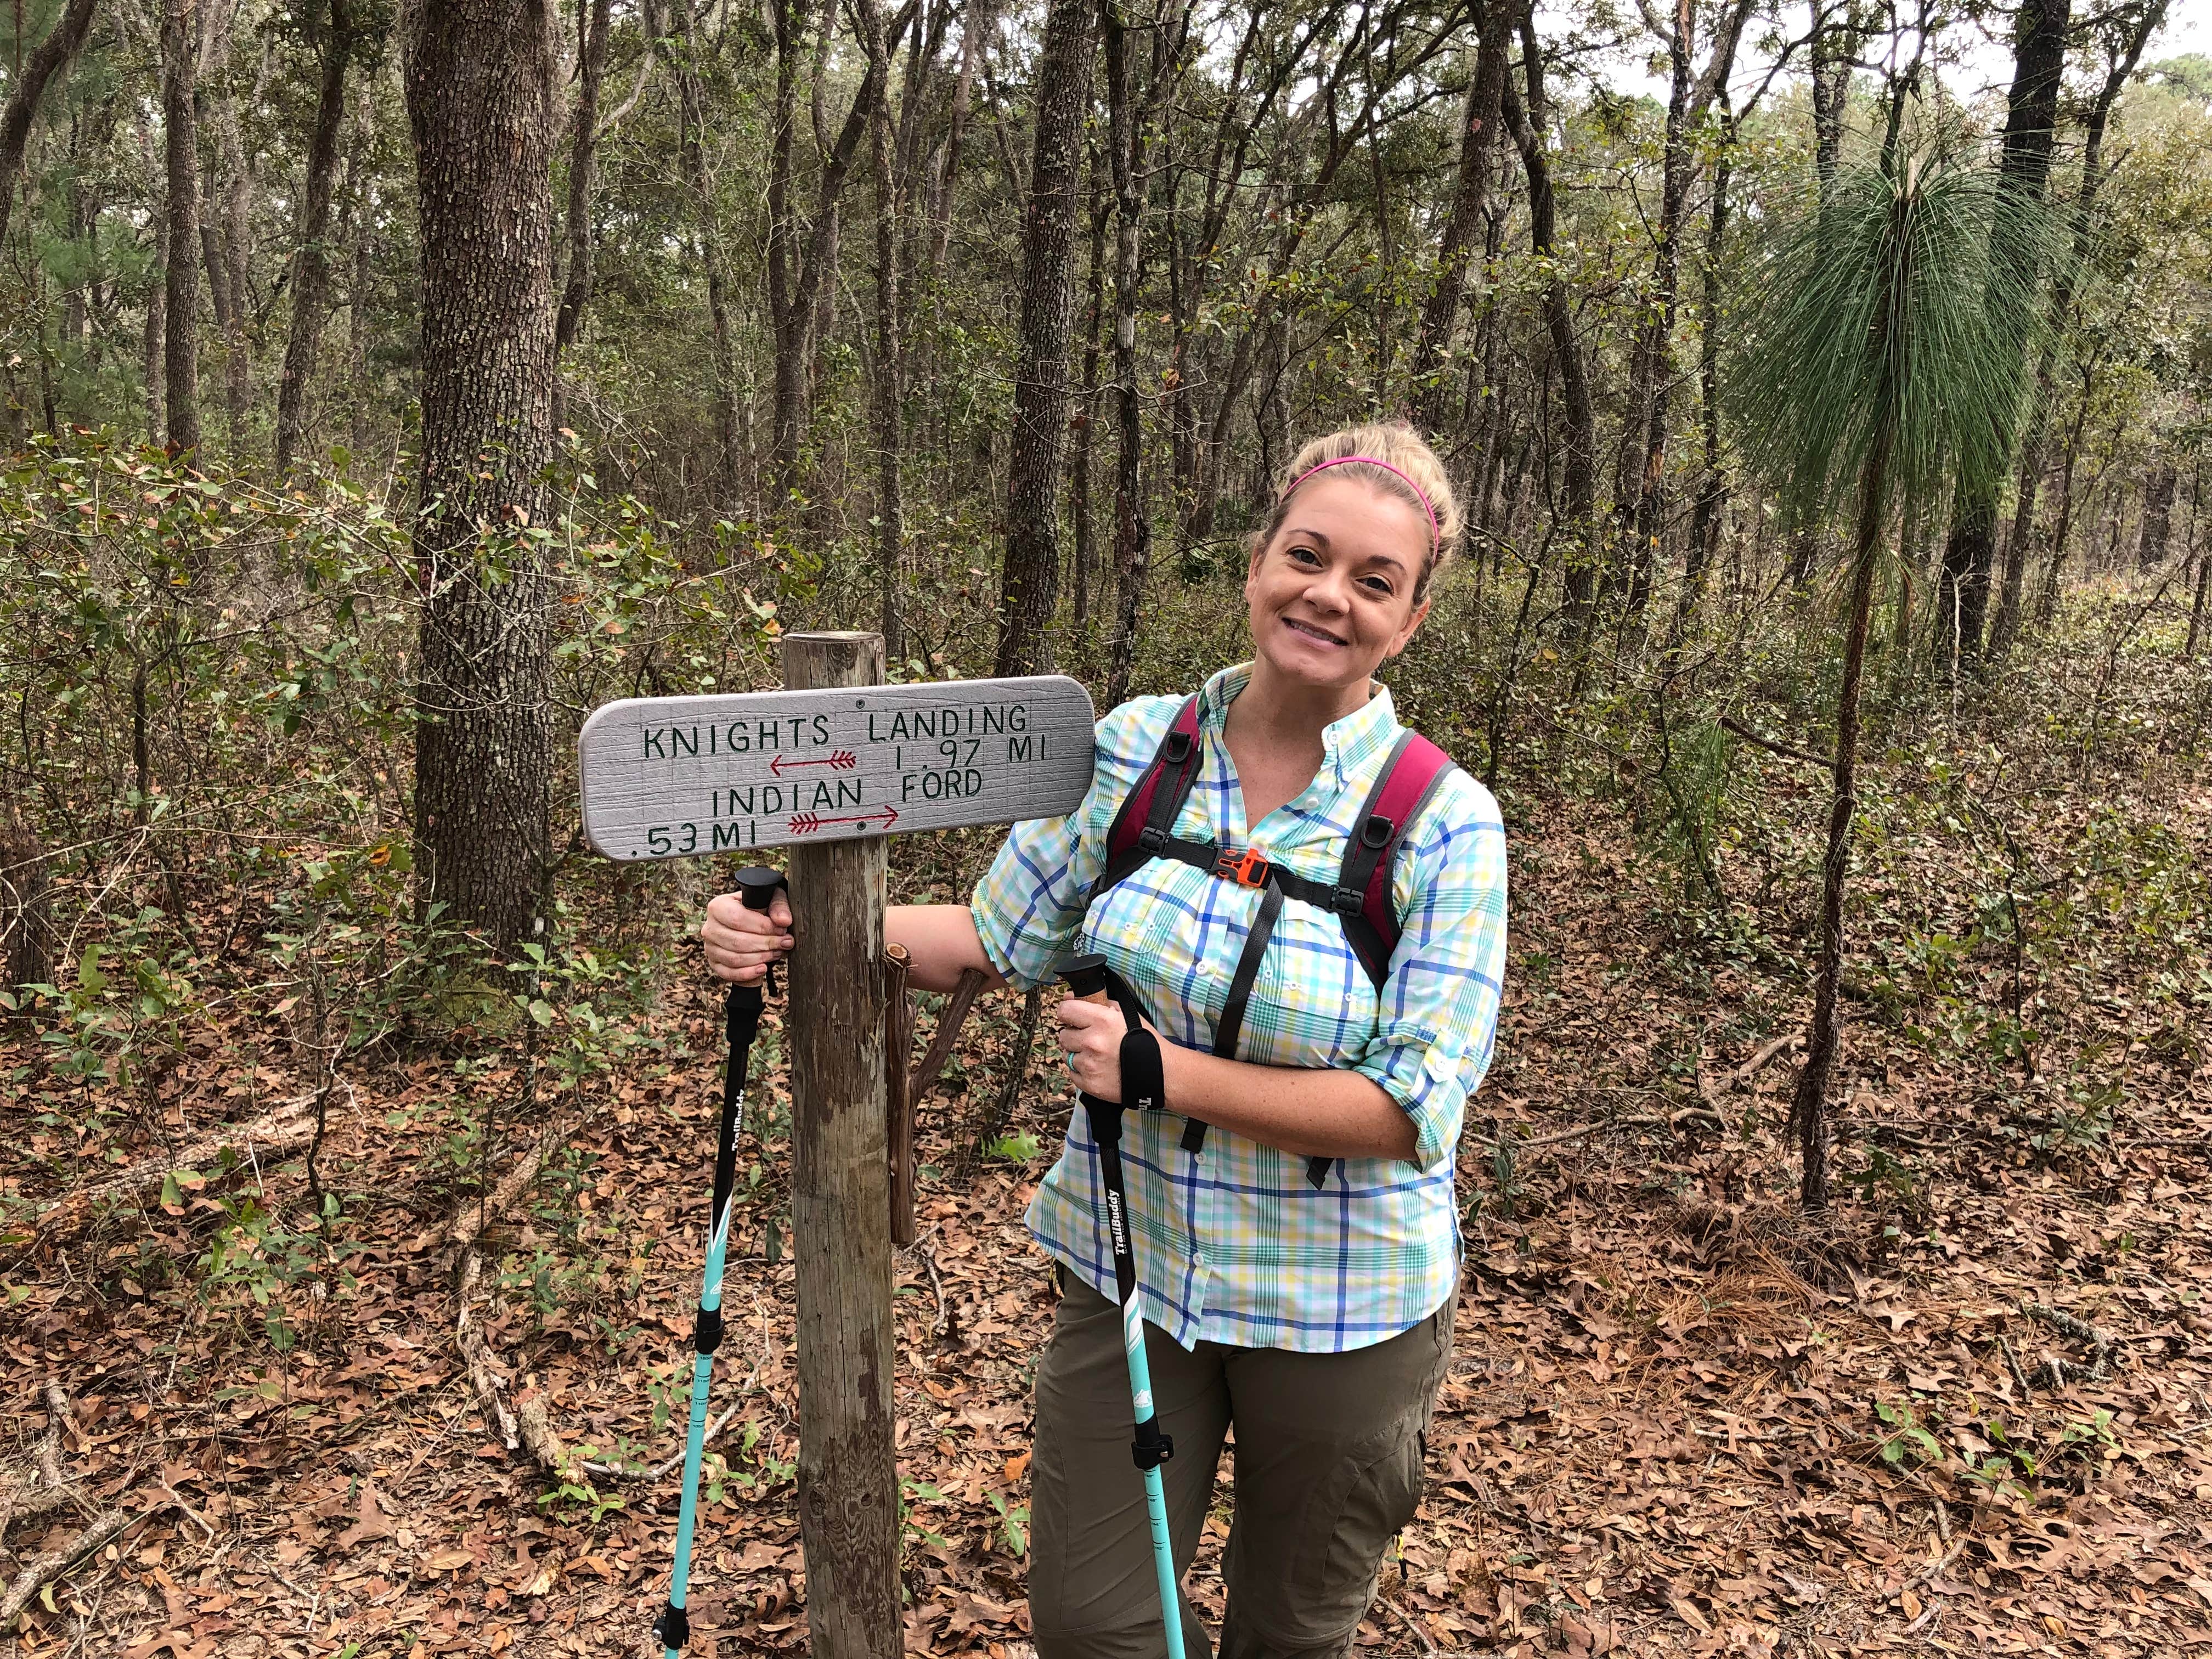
1143	1073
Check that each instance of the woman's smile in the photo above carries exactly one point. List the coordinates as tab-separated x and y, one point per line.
1317	633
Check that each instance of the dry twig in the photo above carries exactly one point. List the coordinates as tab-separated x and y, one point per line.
44	1569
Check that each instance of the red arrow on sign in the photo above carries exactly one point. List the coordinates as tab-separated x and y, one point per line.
843	761
806	824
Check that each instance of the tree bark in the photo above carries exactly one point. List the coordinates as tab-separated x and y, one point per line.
1486	94
235	240
583	154
1835	45
1809	1108
1133	531
2157	529
1578	457
1086	418
32	77
311	279
480	85
2039	59
180	363
889	393
2035	448
1712	488
802	258
728	449
1029	579
1650	398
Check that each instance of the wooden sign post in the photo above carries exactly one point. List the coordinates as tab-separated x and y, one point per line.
830	766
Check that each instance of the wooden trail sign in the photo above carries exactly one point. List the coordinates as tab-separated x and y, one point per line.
830	768
676	777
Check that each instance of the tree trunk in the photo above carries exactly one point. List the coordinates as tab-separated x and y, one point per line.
2157	529
802	258
1579	459
1133	530
2196	606
1652	399
480	84
889	394
235	240
1029	580
181	365
1486	94
2038	61
975	25
1086	419
310	278
31	77
1809	1108
729	458
1835	44
583	154
2035	448
1712	490
25	906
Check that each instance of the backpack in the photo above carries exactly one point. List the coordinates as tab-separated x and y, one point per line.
1359	897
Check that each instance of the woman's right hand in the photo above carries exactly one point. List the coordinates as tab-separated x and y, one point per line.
741	944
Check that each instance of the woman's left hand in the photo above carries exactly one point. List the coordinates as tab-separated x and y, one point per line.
1091	1033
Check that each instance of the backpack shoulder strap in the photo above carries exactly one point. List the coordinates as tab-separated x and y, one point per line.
1362	900
1146	819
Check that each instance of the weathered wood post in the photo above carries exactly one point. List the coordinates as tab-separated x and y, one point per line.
840	1212
830	766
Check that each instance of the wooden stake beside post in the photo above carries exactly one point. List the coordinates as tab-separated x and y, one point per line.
841	1209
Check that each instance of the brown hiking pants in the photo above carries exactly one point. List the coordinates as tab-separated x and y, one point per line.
1328	1455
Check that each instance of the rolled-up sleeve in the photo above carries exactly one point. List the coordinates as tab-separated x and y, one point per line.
1439	1015
1030	904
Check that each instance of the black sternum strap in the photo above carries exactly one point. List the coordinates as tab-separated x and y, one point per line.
1230	1028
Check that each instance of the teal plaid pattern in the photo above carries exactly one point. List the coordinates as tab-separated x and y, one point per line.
1233	1244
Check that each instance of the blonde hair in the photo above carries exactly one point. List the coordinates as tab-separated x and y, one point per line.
1392	444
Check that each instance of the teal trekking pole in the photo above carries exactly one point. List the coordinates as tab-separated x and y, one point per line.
741	1013
1091	979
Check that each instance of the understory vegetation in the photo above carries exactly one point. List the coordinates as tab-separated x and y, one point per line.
1834	1221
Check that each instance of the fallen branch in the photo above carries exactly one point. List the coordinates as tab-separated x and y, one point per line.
1781	749
2018	1373
1428	1642
56	1489
465	1228
1751	1067
284	1127
526	1426
44	1569
2100	1363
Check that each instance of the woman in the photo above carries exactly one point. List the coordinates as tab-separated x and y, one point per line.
1296	1233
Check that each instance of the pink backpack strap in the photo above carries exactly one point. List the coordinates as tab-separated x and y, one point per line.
1146	820
1416	767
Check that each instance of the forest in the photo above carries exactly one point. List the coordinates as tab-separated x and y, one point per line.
385	386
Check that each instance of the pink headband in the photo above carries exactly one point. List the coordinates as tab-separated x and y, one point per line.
1436	534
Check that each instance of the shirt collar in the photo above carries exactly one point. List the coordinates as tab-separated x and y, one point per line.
1346	744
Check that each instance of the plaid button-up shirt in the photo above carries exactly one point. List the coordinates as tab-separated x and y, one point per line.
1233	1245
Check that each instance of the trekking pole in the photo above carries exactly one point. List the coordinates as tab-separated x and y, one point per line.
1091	980
741	1013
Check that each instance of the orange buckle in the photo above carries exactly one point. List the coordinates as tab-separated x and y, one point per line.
1246	869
